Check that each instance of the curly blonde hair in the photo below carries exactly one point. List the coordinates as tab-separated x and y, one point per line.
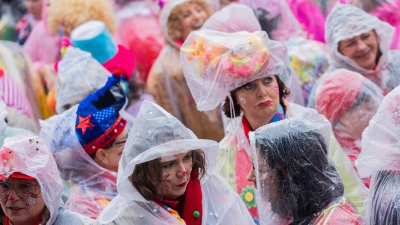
72	13
174	21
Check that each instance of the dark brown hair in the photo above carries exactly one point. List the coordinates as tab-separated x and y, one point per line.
226	108
147	177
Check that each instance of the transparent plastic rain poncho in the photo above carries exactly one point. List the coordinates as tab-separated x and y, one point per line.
167	84
156	134
31	155
17	65
309	58
78	76
296	182
385	10
349	101
231	19
380	157
215	63
346	21
5	130
93	187
140	32
276	19
238	17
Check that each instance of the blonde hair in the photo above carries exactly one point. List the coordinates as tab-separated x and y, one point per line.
72	13
174	21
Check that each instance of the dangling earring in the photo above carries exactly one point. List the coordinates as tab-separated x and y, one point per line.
243	100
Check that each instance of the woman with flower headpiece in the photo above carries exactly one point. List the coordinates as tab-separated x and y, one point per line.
349	101
166	81
379	158
361	42
30	185
87	142
166	176
296	181
249	73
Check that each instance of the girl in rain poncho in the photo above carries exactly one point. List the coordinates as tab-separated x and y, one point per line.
296	182
361	42
30	185
349	101
87	142
166	81
380	158
166	176
250	72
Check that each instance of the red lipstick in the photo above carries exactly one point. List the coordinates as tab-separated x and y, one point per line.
182	185
265	103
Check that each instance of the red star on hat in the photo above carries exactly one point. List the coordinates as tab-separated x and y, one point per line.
84	123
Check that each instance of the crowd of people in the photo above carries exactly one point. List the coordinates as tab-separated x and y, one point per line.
200	112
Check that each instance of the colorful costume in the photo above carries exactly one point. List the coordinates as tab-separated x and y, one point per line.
380	158
78	133
296	181
309	58
206	57
28	155
169	88
208	200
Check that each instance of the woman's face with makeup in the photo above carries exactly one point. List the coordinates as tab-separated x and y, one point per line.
176	171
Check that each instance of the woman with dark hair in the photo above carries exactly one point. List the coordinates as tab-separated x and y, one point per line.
379	158
166	176
296	183
248	73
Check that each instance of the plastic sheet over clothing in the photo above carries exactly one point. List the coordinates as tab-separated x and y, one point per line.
17	65
385	10
140	32
380	157
158	134
93	187
78	76
234	161
349	101
309	58
31	155
167	84
216	63
238	17
286	154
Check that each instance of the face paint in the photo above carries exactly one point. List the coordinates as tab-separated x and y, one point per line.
276	88
243	100
32	198
166	178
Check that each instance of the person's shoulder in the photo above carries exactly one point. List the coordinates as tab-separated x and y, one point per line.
67	217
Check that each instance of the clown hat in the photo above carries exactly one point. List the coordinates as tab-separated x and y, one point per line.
94	37
98	122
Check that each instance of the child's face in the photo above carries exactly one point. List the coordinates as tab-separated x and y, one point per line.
356	120
192	18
